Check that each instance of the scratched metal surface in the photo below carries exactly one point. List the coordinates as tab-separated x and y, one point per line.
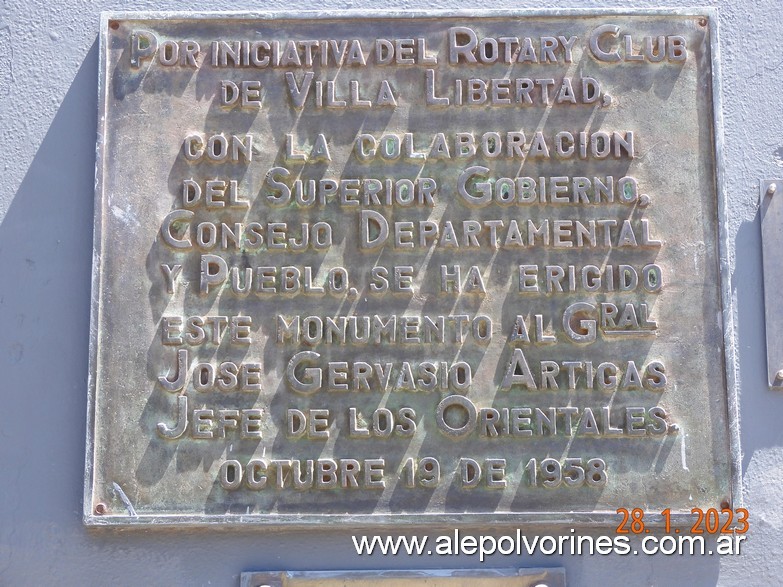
136	476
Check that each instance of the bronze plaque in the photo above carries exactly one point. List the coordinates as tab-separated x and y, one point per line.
414	268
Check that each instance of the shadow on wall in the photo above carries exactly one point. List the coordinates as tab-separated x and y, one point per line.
45	263
760	406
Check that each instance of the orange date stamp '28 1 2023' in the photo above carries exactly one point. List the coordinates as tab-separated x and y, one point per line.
710	521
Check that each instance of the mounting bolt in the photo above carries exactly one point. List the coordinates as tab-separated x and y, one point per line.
779	375
772	188
100	509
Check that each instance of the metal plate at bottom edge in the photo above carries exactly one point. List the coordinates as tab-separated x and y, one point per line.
554	577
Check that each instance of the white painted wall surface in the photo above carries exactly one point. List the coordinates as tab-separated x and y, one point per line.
48	102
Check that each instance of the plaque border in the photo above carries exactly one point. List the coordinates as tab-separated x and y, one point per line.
430	521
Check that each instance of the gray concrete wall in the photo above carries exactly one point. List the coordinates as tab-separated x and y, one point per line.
48	102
